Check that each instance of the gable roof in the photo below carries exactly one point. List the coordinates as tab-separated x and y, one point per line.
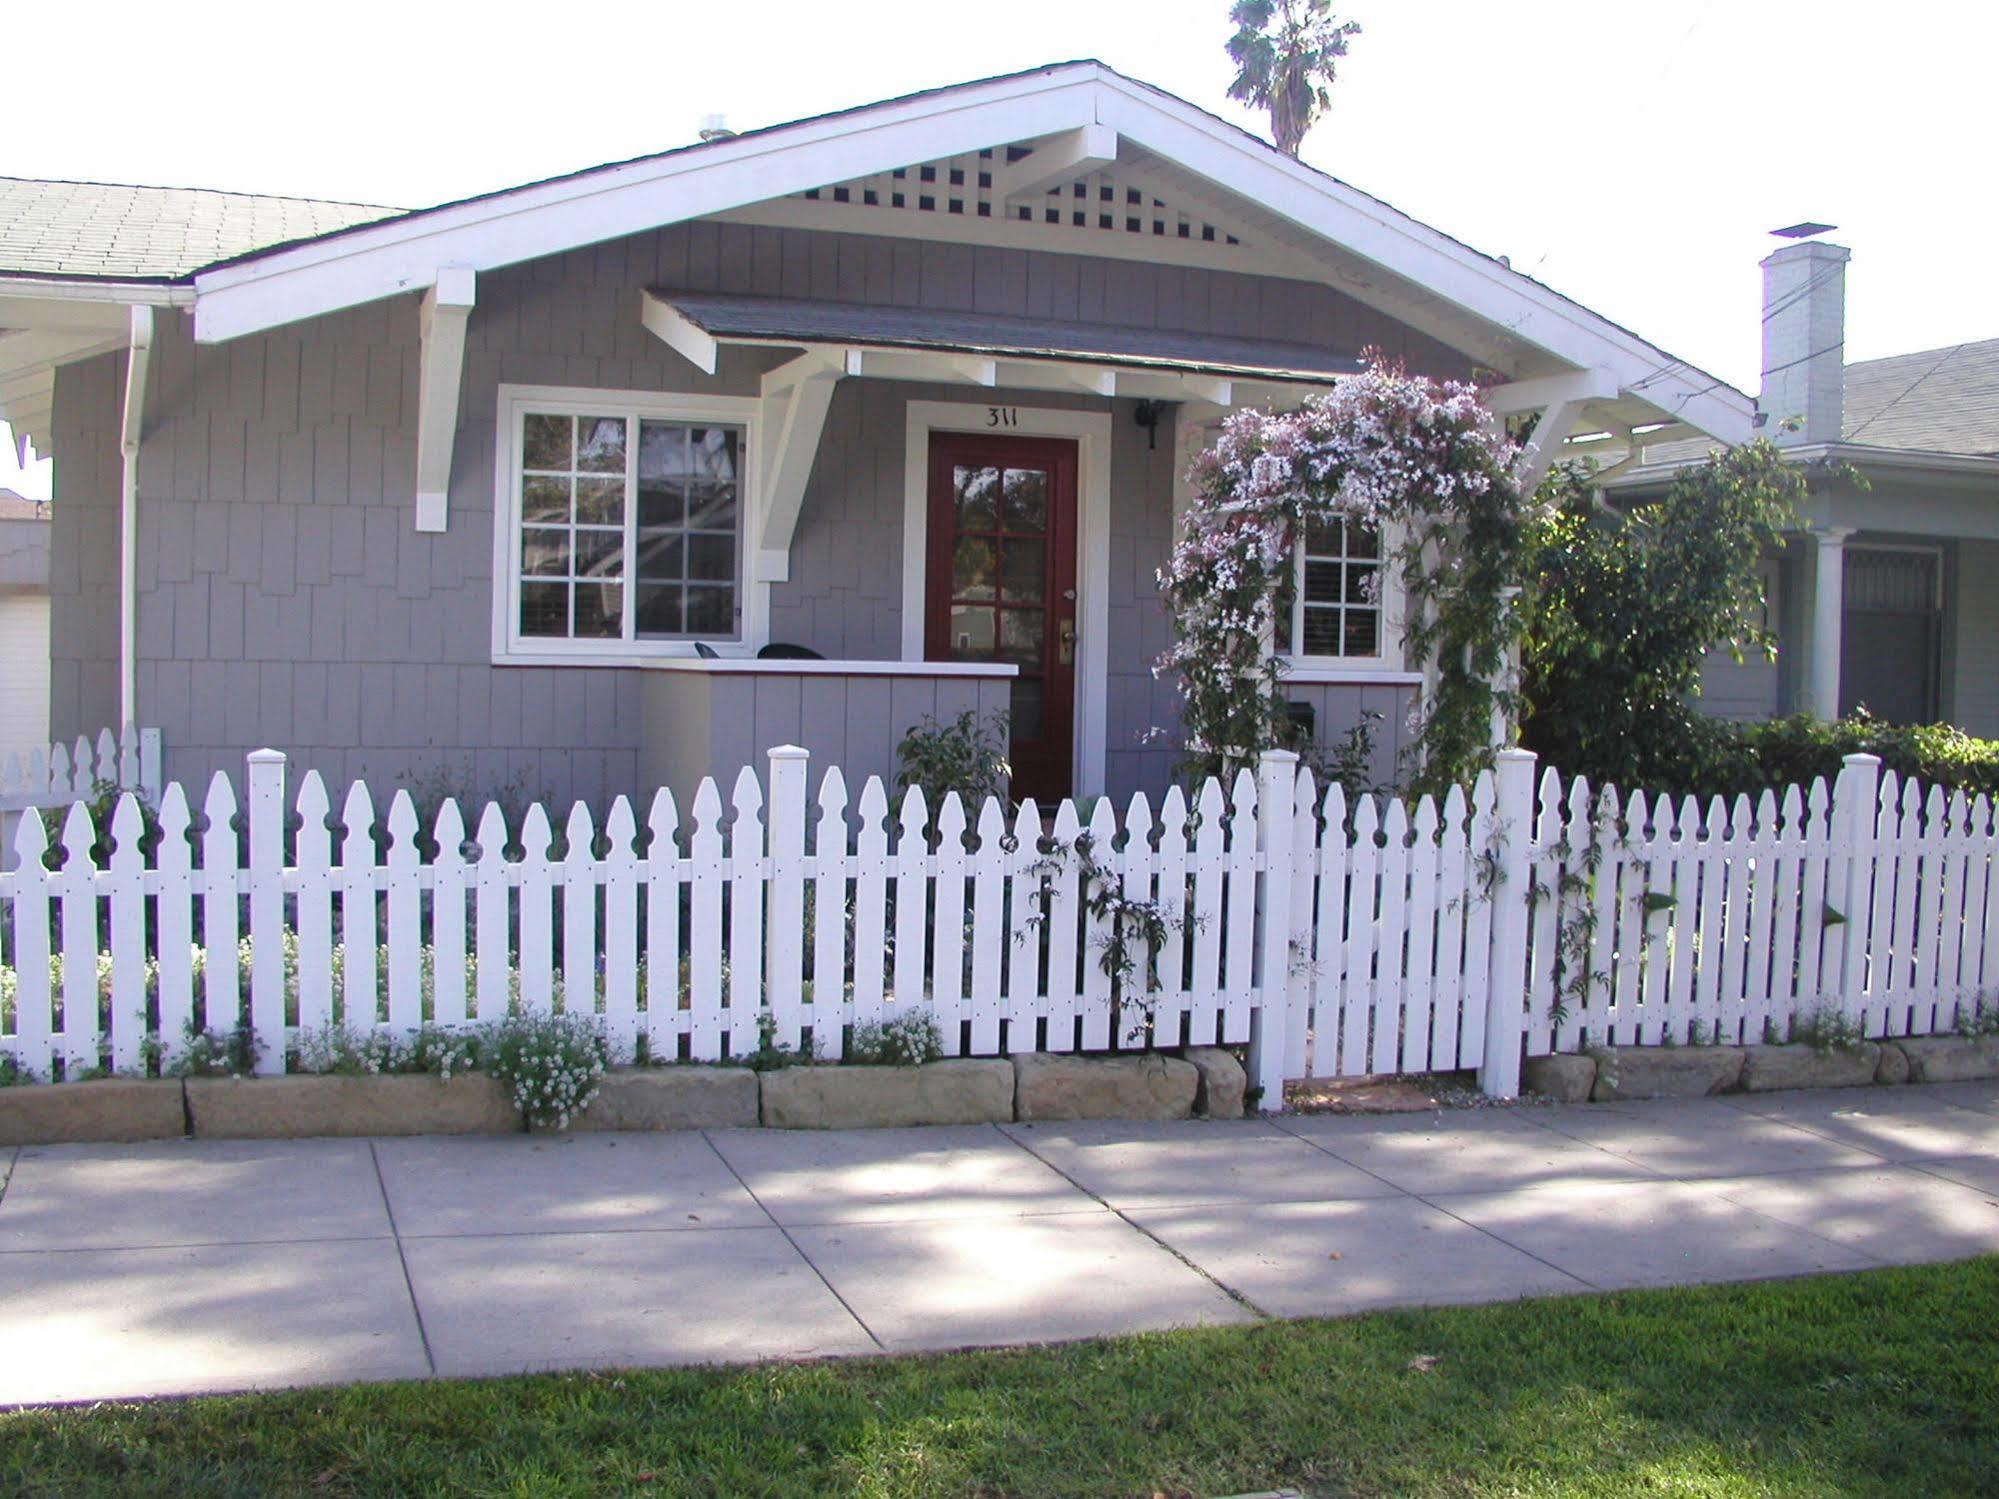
1937	400
99	230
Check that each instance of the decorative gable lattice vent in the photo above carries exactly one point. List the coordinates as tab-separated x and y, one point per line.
1106	201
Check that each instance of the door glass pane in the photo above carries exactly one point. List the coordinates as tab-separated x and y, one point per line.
1026	708
1021	632
1026	499
545	443
600	444
977	498
972	633
972	569
1026	570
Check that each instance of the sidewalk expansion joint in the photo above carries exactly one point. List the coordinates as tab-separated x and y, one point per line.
403	1259
796	1248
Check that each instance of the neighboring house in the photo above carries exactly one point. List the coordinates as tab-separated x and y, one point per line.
533	487
24	625
1887	596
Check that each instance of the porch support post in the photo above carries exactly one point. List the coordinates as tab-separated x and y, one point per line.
447	306
792	426
1828	615
138	358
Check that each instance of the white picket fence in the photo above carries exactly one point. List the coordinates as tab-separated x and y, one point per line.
55	775
1331	940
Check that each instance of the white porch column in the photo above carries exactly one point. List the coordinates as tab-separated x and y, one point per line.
1828	613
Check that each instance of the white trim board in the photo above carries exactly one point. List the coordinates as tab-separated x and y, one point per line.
1091	431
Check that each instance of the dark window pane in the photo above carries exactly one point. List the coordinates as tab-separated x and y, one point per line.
600	554
711	611
712	557
662	556
660	610
1322	582
1026	577
544	608
978	498
1324	538
600	502
972	631
545	500
1026	499
600	444
1363	632
1363	541
600	611
1021	632
711	505
1025	721
712	454
661	504
545	442
972	569
545	551
1362	584
1322	632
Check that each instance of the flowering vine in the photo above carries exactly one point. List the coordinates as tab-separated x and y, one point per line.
1384	448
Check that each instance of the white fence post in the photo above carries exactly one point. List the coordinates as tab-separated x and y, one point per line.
267	906
786	931
1276	813
1856	803
1506	1003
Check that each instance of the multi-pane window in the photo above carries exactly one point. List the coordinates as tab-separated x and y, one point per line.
1337	611
629	527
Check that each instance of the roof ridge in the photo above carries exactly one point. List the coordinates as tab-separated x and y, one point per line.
219	192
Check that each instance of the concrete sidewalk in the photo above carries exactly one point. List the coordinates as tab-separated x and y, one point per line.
194	1266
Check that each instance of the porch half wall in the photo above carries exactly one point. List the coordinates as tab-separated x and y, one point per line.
285	597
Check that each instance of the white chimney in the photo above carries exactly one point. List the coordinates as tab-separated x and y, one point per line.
1804	343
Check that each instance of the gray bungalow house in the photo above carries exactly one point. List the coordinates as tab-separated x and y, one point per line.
797	435
1887	595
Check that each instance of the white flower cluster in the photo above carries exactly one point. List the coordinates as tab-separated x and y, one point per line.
553	1065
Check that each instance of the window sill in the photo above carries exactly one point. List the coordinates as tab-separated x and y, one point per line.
663	654
741	666
1351	673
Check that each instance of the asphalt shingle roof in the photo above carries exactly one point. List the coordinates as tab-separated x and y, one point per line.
1939	400
100	230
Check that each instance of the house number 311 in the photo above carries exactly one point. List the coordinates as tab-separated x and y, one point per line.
1002	416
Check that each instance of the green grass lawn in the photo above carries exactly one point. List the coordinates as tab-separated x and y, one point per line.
1881	1383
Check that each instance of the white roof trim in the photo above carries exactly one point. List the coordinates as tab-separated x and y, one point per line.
401	255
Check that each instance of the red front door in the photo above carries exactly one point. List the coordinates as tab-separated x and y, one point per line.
1002	586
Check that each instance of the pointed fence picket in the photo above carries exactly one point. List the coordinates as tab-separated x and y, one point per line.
1333	934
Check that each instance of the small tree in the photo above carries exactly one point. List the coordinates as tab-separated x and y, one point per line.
1286	53
1624	605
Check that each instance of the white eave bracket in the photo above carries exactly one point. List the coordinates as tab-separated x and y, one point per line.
678	332
796	397
1059	159
447	306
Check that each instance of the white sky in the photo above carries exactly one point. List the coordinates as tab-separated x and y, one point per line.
1633	157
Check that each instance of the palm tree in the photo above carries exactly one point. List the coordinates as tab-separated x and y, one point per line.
1285	52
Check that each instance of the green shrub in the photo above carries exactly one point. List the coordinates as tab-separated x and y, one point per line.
966	756
552	1065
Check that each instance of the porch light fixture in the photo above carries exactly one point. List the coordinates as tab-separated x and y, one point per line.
1149	414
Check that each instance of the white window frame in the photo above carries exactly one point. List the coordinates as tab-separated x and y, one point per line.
1387	662
510	647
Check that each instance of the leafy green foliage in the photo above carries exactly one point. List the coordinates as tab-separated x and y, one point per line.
552	1065
1286	54
771	1054
1625	605
967	756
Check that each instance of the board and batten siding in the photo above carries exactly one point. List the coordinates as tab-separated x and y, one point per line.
286	599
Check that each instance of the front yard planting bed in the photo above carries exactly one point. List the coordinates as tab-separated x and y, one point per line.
1882	1383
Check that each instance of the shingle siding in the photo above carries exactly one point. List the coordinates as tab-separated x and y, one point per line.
286	598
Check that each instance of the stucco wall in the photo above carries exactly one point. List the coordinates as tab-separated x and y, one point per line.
286	599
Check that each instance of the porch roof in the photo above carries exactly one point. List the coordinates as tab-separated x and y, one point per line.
798	322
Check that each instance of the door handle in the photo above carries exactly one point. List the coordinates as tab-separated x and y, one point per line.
1065	643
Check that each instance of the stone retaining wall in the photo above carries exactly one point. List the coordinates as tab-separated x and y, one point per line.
1608	1074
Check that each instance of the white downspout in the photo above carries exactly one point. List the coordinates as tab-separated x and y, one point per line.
138	357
